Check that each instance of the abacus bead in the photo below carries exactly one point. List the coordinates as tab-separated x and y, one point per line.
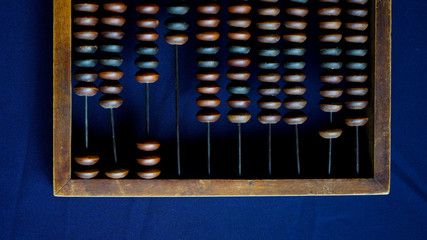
87	173
176	38
208	22
208	101
238	61
295	117
147	8
86	34
294	89
207	48
86	48
356	38
356	65
85	20
330	133
330	105
85	75
356	90
238	101
206	115
362	2
114	20
269	116
297	24
207	75
294	76
271	24
329	11
238	116
110	101
269	51
268	38
239	48
116	34
209	8
148	144
297	11
268	63
148	160
357	12
359	78
294	51
269	11
269	76
356	120
356	103
118	7
238	87
208	61
86	159
176	24
110	73
208	88
147	48
110	87
269	102
146	76
207	35
330	91
358	26
331	38
149	173
86	61
146	62
242	8
331	64
298	37
147	35
294	102
147	22
177	8
238	74
331	77
112	46
85	89
332	51
111	60
356	52
239	22
86	7
294	64
268	89
117	173
239	34
330	24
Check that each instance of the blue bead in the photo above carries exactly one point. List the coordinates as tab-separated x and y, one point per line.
111	60
331	65
86	48
147	48
177	8
207	48
207	62
239	48
357	52
295	51
238	87
269	52
146	62
294	65
330	51
176	24
268	63
356	65
85	61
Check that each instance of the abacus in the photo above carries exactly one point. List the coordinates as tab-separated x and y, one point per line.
221	98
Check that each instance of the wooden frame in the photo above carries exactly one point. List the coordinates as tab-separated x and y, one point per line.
64	185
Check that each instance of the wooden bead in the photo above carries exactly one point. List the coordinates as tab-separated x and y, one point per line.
271	24
208	101
238	101
295	117
207	75
242	8
176	24
362	2
356	120
148	22
147	48
114	20
208	88
297	11
207	35
238	87
333	24
357	12
239	34
330	91
148	159
117	173
147	35
356	103
294	102
208	22
330	133
116	34
111	60
207	61
268	38
269	116
118	7
110	87
147	8
238	74
207	48
356	38
85	75
269	76
85	20
330	105
331	38
88	89
111	46
147	76
177	8
296	89
294	76
146	62
268	63
238	116
269	102
332	77
329	11
296	24
269	11
86	7
148	144
356	77
239	48
269	89
86	173
358	26
206	115
238	61
110	101
176	38
86	159
209	8
298	37
87	34
356	90
239	22
86	48
149	173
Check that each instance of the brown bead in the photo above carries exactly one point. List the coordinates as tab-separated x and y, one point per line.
239	34
362	2
356	38
147	22
86	34
148	160
294	102
298	25
298	37
147	35
86	7
238	116
269	102
86	159
149	173
358	78
147	8
269	116
271	25
85	75
148	144
86	20
359	26
88	89
208	101
239	22
117	173
207	75
110	87
331	38
268	38
238	101
269	89
356	90
86	173
238	61
295	89
115	34
147	76
297	11
114	20
269	11
206	115
111	73
356	121
331	77
330	91
243	8
118	7
356	103
176	38
269	76
357	12
330	133
208	36
208	88
238	74
330	105
110	101
295	117
329	11
331	24
209	8
294	76
208	22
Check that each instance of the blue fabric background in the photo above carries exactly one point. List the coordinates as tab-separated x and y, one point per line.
28	209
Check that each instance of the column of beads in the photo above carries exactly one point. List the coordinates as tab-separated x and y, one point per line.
356	65
331	63
238	61
111	73
147	62
85	60
207	62
294	64
268	64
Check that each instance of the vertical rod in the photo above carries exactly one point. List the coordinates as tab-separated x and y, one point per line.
86	126
147	109
330	156
239	126
297	148
269	149
208	134
357	150
113	134
178	152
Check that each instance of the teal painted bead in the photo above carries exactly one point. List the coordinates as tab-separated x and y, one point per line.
331	65
356	65
111	60
207	48
269	51
146	62
238	87
112	46
330	51
294	64
86	48
294	51
86	61
268	63
207	62
177	8
239	48
357	52
299	1
176	24
147	48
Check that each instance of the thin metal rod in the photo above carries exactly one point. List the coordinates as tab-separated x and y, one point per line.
147	109
297	148
330	156
357	149
86	126
178	147
113	134
239	127
208	135
269	149
330	117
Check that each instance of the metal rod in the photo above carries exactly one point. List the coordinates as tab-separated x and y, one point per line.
208	134
178	148
357	150
113	134
239	127
86	126
269	149
147	109
330	156
297	148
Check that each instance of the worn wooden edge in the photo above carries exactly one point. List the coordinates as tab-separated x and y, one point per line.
61	94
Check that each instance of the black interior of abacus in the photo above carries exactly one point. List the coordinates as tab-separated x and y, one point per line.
130	117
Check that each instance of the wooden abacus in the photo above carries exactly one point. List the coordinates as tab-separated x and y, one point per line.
191	57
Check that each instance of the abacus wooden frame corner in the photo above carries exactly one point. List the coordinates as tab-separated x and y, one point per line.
65	186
